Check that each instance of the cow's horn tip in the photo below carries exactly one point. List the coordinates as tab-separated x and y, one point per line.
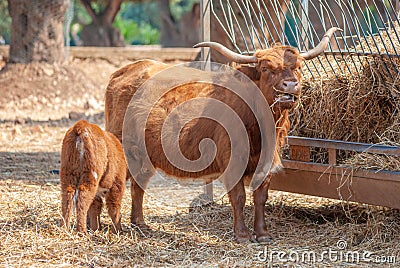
198	45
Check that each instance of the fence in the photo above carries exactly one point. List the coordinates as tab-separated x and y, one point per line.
370	28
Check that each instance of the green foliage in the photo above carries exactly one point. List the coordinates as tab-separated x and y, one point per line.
139	23
5	22
135	33
180	7
80	14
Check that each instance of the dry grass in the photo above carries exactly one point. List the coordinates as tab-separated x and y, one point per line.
30	233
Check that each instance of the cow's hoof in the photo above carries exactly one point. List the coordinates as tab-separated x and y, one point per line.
246	239
201	201
264	239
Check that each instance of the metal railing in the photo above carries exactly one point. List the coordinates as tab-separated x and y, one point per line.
371	30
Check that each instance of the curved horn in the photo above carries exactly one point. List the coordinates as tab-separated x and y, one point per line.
236	57
320	48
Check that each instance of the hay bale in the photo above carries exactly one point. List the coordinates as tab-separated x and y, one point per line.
362	104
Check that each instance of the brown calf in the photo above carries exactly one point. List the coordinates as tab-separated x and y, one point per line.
92	167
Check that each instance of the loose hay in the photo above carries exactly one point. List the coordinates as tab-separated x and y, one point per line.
361	104
30	233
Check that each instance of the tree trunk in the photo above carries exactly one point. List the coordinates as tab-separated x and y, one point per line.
169	32
101	32
37	30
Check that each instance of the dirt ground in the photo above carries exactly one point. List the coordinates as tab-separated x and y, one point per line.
35	111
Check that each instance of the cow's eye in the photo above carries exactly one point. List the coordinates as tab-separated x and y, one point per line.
297	70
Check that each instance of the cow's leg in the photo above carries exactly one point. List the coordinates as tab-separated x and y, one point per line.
113	201
137	205
94	213
260	197
237	197
67	204
86	194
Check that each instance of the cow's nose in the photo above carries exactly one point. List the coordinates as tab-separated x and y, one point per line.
291	87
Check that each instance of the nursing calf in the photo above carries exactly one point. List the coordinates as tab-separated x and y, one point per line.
92	167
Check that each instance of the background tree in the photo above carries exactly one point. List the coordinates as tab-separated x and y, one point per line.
5	23
101	32
37	30
177	22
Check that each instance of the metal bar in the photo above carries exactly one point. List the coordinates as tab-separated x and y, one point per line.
346	46
350	8
354	15
205	31
329	13
366	54
380	35
343	145
370	34
303	41
391	24
291	11
327	60
206	58
385	29
304	16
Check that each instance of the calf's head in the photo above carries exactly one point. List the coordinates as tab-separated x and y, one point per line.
277	70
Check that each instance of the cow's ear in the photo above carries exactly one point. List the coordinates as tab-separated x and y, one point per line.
250	71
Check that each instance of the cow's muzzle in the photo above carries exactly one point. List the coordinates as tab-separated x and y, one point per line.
288	91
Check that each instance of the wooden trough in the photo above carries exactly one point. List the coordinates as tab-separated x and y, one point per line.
333	181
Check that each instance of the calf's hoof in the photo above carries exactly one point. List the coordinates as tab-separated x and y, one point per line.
141	226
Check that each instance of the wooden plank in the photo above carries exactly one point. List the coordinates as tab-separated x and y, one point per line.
337	186
128	53
300	153
343	145
339	170
332	156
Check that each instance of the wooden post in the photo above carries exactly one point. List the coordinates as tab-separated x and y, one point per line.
332	156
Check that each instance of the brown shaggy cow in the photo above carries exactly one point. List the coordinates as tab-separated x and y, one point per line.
92	167
277	74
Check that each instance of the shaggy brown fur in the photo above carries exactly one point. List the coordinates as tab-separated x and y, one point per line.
92	167
277	72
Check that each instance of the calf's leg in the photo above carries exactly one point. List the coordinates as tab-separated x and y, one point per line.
94	213
260	196
86	194
67	204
